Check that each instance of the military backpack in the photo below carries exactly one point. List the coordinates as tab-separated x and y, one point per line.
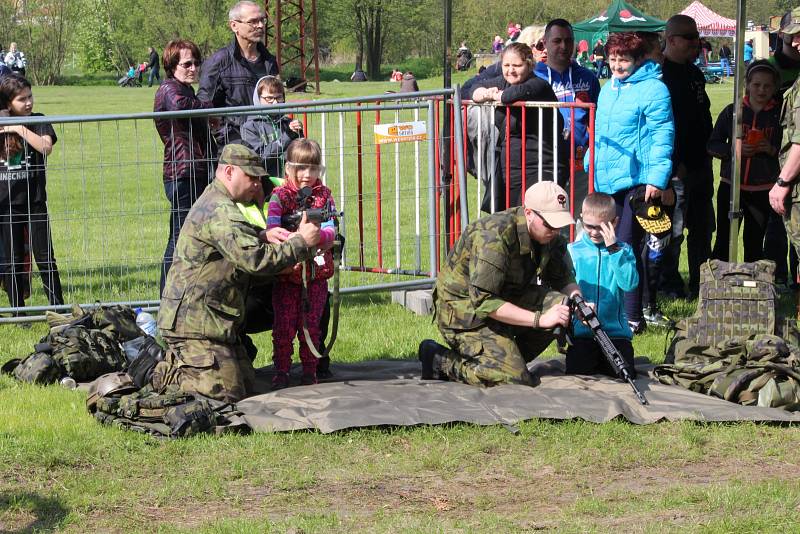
74	351
171	414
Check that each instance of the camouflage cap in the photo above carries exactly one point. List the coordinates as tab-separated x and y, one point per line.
244	158
790	22
549	200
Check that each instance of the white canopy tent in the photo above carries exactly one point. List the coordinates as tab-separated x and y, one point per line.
709	23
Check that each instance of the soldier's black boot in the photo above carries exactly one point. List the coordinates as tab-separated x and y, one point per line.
430	354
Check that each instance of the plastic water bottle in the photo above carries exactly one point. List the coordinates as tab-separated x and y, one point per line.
68	382
146	322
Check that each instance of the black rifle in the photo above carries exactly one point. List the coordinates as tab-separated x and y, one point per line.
292	220
587	315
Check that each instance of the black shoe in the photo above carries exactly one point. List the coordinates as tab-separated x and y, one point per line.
324	368
638	327
427	353
308	379
280	381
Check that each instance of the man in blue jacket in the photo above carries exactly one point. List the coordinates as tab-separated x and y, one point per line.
570	83
604	269
229	76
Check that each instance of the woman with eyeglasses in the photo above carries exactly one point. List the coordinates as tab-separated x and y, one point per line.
634	133
518	83
188	145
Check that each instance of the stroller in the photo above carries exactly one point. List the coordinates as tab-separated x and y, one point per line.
129	81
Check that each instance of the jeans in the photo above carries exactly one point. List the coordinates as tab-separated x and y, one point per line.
154	74
181	194
631	232
726	67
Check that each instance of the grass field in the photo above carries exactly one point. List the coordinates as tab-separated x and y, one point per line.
62	471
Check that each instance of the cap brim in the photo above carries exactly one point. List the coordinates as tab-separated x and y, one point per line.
791	29
254	170
655	226
557	219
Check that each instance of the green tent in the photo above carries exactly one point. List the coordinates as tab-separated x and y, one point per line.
617	17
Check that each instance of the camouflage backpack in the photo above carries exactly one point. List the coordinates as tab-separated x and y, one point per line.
736	300
74	351
117	320
171	414
761	370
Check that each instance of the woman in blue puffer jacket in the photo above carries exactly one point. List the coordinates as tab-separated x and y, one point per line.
634	133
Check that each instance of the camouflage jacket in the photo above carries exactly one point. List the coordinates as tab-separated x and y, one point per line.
494	262
216	255
790	121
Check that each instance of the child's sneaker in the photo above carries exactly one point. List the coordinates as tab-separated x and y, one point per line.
654	317
280	381
638	327
308	379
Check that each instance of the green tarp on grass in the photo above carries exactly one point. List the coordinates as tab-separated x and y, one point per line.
617	17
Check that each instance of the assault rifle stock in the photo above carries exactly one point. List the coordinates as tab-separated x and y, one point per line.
587	315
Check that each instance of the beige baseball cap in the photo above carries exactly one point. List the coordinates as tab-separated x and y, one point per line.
550	201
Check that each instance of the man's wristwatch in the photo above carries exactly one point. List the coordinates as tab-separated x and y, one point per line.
782	183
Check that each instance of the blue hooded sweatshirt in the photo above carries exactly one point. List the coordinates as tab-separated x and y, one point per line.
576	84
604	278
634	132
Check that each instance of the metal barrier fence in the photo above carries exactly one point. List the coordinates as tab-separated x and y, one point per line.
491	157
109	217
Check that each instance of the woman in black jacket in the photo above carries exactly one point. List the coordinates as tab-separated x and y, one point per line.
519	84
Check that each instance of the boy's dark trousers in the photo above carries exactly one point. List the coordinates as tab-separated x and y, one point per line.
584	357
756	214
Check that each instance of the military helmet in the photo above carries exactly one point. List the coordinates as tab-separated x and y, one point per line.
107	384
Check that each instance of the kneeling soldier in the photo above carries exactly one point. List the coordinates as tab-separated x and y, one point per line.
498	296
217	254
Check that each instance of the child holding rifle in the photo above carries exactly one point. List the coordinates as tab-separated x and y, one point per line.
605	269
303	170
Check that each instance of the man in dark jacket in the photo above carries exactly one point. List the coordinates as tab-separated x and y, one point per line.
691	165
229	76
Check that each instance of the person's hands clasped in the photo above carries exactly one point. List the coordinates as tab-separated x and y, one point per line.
558	315
296	126
777	198
748	150
765	147
309	231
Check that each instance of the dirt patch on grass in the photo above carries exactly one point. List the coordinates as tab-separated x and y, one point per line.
537	499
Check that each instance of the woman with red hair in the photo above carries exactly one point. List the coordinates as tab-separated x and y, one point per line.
634	134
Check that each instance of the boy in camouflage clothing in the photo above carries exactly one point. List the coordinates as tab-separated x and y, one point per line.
498	295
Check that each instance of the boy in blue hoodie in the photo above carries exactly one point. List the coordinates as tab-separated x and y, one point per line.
605	269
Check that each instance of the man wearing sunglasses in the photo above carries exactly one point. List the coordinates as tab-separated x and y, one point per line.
498	295
230	74
693	177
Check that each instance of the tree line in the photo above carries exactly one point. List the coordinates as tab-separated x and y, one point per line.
110	35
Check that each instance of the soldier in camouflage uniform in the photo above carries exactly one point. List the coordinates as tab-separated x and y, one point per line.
784	197
217	254
498	296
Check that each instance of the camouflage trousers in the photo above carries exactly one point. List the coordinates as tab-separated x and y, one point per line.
216	370
497	353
